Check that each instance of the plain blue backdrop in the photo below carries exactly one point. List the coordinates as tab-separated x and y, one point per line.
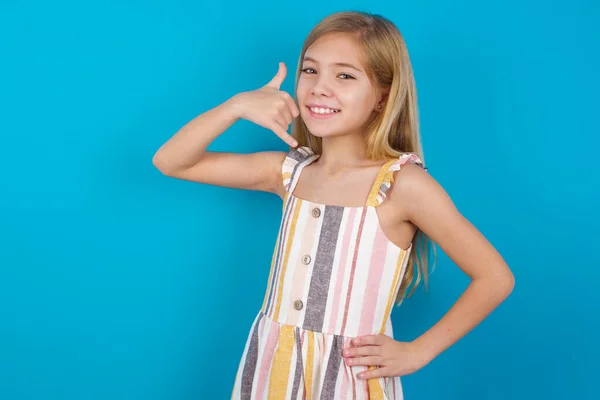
119	283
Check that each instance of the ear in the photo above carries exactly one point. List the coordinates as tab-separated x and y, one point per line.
381	102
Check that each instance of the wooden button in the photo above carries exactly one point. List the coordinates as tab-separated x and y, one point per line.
298	305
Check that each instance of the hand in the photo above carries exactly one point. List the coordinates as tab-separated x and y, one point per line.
270	107
393	358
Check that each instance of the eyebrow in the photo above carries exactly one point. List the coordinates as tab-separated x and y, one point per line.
338	64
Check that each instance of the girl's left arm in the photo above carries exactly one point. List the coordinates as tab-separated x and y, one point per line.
428	206
425	203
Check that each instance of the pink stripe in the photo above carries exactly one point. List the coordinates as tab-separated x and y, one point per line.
341	269
347	370
363	216
376	267
267	359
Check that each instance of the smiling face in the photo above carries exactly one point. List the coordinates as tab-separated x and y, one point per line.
334	93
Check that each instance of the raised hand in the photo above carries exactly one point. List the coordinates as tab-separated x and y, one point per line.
270	107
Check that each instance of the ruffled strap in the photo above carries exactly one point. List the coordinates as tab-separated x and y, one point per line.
295	160
385	178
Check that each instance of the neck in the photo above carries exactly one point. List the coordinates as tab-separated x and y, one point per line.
342	152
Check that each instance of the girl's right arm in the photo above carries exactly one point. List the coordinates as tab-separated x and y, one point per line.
184	156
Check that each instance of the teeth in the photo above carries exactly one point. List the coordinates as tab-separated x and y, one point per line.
321	110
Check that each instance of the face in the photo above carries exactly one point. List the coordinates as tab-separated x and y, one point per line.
334	94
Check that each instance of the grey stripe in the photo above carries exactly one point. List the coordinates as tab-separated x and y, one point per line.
295	175
250	363
333	366
299	364
297	155
321	276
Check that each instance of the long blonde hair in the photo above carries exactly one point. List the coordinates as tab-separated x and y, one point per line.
395	130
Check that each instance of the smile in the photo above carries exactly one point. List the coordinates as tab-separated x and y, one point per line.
322	112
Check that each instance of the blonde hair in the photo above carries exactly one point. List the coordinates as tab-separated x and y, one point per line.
395	130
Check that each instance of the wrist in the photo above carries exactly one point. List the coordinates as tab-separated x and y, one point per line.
234	106
424	353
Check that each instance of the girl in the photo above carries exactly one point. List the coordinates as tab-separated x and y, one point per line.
359	214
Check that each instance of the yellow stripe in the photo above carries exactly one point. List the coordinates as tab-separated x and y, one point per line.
310	355
280	372
286	175
270	275
381	176
286	196
375	389
393	289
288	247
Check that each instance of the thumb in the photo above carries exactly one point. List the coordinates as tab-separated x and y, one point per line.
279	77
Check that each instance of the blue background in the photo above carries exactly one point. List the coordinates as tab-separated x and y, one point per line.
117	282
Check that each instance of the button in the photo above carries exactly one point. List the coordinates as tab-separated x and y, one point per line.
298	305
316	212
306	259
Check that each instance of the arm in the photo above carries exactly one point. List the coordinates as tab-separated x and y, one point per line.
184	155
423	202
430	208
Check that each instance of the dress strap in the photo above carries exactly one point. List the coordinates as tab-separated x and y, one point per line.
385	177
293	164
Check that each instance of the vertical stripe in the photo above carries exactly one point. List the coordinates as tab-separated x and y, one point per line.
347	369
356	249
375	389
353	386
399	265
288	247
251	361
333	366
281	243
271	272
299	366
339	280
280	369
371	296
310	360
302	272
267	359
319	284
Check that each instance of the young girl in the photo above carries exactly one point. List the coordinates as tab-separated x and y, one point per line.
359	213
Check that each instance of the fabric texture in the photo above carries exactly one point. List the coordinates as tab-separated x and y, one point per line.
334	276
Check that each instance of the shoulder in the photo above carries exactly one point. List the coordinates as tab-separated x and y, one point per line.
289	163
266	164
416	193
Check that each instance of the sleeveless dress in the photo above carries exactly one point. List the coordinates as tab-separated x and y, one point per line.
334	276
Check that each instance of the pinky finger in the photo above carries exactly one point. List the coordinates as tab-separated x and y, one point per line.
282	133
374	373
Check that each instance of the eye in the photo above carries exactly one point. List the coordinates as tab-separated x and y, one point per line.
306	70
348	76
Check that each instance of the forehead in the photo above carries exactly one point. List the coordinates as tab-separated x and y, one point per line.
336	48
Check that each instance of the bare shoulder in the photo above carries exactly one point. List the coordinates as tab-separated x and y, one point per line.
414	188
268	164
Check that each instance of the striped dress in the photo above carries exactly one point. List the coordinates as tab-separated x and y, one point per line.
334	276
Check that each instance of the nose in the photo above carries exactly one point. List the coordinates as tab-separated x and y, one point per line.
321	87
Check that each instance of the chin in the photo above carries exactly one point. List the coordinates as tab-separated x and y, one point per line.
322	132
